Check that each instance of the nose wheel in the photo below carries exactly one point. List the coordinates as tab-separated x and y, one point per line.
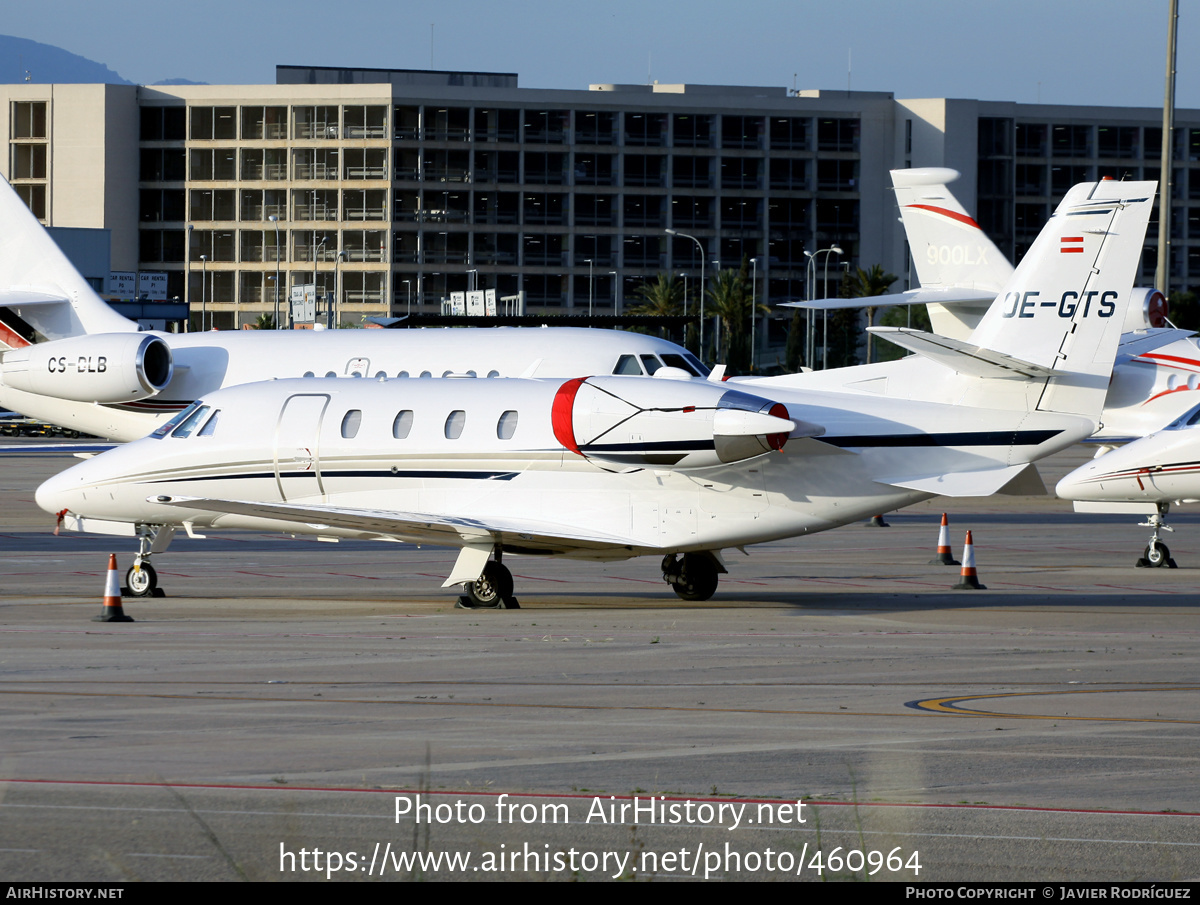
1157	555
141	580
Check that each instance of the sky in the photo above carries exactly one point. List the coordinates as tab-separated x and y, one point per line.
1098	52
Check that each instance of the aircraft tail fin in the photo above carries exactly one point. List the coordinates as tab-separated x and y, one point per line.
1064	308
948	247
39	284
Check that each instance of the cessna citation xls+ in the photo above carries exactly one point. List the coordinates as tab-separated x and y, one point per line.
610	468
97	374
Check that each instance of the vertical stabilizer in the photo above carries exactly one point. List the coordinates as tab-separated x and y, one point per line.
1065	305
39	283
948	246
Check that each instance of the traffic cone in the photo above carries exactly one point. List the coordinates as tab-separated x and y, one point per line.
877	522
944	556
969	580
112	610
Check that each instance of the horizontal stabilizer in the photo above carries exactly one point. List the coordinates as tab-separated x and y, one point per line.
960	356
949	295
1142	341
963	483
24	298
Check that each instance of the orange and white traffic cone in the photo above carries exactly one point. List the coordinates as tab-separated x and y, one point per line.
112	610
969	580
877	522
944	555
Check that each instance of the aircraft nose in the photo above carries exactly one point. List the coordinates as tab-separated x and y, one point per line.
63	491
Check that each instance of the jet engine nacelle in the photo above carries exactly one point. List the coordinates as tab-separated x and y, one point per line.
1147	308
669	424
104	368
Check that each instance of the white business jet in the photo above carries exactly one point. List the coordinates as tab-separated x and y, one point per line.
97	374
610	468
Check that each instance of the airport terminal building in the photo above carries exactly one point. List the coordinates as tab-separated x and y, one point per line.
394	188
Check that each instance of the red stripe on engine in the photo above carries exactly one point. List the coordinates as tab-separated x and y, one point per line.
562	414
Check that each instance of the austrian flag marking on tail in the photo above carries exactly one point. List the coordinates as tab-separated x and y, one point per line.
1071	245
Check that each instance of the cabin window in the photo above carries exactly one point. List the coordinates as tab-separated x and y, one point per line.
425	374
381	375
309	374
402	374
331	374
403	424
350	424
454	424
507	425
628	364
493	373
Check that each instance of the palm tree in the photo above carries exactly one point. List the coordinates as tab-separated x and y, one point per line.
265	322
661	297
868	283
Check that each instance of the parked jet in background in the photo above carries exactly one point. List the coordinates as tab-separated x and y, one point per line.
611	468
97	374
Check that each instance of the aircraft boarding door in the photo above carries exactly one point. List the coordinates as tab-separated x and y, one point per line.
297	458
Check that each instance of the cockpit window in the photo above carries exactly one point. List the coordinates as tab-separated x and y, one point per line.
627	364
165	429
652	363
684	363
191	422
1187	419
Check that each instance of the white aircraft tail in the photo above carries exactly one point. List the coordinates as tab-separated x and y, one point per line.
40	285
950	251
948	247
1060	316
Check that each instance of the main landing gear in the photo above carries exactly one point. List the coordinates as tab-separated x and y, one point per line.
693	576
142	580
1156	554
492	590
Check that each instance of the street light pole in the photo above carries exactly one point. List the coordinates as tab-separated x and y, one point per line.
203	289
700	245
753	307
591	286
274	219
825	313
337	296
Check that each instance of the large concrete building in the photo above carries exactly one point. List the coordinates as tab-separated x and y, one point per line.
403	186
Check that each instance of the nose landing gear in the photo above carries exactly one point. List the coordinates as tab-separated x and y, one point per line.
142	580
1156	555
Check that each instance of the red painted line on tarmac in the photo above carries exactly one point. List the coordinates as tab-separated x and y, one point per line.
1117	587
492	793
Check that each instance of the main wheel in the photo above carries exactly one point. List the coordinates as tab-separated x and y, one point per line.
1157	554
141	581
697	579
490	589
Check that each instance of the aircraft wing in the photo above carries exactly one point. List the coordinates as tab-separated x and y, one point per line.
414	527
961	356
1023	478
947	295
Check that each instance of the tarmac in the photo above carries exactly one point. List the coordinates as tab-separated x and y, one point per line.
277	715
